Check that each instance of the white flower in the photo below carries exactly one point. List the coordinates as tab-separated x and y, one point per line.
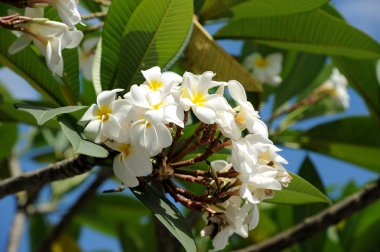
266	69
336	86
50	38
86	57
106	117
195	96
154	110
247	117
67	9
378	71
157	81
130	163
236	218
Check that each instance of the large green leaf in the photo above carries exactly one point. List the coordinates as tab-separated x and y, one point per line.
8	133
154	36
29	66
257	8
42	115
353	139
81	146
118	16
71	74
315	32
299	192
304	71
168	214
361	74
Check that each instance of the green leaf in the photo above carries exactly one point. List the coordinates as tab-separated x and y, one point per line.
9	135
29	66
42	115
38	228
71	74
158	32
304	71
315	32
361	74
80	145
299	192
118	17
96	68
168	214
309	172
91	5
354	139
238	9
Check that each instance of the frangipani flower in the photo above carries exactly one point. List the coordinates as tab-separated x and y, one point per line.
106	117
130	163
237	218
154	110
155	80
336	86
195	96
247	117
67	9
50	38
86	57
266	69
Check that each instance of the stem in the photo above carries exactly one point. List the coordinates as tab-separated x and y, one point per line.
94	15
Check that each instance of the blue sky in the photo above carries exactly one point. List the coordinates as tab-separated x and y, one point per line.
363	14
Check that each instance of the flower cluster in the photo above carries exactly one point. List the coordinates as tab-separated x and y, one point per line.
336	87
140	125
50	37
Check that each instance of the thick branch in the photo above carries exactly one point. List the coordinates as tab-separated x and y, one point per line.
54	234
32	180
17	3
321	221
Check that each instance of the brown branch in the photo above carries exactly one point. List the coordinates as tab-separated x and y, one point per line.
94	15
54	234
17	3
312	225
32	180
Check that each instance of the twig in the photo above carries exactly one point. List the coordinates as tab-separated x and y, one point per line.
93	28
66	219
103	2
320	221
17	3
94	15
61	170
19	219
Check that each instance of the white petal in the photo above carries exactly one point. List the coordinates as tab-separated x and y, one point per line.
19	44
153	73
138	95
237	91
204	114
123	172
75	38
111	128
220	241
105	98
164	136
92	130
151	143
174	114
254	217
139	163
274	64
90	113
257	126
34	12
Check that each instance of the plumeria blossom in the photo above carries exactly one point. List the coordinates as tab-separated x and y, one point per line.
105	118
139	128
336	86
50	38
130	163
86	56
154	111
195	96
157	81
67	9
247	117
237	218
266	69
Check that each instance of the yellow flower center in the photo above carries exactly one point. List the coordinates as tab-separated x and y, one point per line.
103	113
199	99
240	119
125	149
155	84
261	62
